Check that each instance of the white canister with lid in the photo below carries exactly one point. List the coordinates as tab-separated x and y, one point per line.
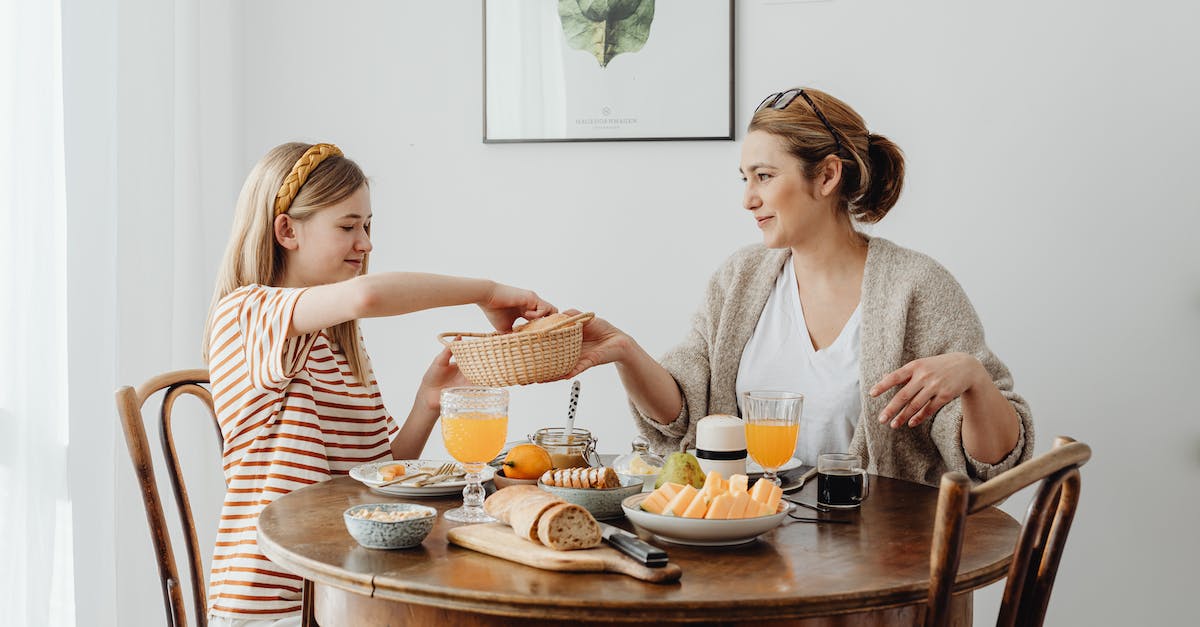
721	445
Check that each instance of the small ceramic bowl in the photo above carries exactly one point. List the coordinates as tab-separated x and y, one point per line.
502	481
401	534
647	480
603	503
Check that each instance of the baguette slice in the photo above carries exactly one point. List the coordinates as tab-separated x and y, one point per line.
566	527
525	513
539	324
498	504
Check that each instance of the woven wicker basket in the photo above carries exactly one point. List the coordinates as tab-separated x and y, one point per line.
503	359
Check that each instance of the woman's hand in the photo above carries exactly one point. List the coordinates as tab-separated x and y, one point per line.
441	374
505	304
929	383
602	344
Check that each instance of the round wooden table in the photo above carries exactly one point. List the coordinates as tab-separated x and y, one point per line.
874	571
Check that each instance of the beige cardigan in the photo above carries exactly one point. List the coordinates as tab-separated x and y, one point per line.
911	307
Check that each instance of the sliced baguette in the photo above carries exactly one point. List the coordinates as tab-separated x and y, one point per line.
566	527
539	324
498	504
524	516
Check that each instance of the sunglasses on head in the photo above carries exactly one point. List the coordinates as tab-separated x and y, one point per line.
781	100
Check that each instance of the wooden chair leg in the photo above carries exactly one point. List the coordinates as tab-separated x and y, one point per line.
307	618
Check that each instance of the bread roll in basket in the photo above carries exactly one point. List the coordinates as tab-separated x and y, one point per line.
539	352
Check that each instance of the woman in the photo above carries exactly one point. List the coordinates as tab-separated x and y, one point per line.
882	340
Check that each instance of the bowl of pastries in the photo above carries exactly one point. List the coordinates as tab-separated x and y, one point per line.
599	490
541	350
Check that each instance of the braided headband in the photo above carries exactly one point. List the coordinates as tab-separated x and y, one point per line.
304	166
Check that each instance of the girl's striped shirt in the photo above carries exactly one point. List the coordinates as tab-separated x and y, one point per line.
292	414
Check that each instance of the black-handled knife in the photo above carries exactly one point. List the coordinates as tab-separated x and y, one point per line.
633	546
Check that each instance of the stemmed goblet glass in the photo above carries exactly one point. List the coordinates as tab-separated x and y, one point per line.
474	425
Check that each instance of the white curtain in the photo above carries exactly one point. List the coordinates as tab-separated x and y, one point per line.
36	581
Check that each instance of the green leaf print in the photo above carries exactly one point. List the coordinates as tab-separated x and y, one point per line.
606	28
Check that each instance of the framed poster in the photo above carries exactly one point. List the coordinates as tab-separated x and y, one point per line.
607	70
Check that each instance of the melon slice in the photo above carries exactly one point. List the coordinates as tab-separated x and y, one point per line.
676	506
760	491
698	506
772	501
670	489
719	508
714	484
737	483
738	508
655	503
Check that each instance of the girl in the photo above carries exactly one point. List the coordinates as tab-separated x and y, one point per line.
823	309
291	380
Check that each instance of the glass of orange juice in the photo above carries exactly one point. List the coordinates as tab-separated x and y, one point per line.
474	426
772	426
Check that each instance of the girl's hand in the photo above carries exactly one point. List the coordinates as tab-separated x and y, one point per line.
602	344
506	303
441	374
929	383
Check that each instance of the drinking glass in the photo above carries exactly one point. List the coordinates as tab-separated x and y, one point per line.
474	426
841	480
772	426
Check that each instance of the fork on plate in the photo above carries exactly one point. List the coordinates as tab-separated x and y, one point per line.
443	472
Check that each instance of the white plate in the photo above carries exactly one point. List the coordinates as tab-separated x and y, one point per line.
754	470
698	531
368	474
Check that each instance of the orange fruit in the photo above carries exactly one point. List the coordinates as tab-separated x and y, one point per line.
526	461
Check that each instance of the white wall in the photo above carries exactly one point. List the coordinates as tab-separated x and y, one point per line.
1047	146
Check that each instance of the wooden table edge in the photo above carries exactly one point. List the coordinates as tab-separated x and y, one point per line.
314	571
615	610
499	604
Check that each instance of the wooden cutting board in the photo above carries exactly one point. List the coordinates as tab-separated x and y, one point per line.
499	540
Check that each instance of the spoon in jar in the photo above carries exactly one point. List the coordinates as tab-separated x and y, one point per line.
571	411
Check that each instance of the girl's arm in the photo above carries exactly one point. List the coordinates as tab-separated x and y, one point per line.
427	406
397	293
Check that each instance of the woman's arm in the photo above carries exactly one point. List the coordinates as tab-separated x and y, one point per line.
650	387
397	293
990	426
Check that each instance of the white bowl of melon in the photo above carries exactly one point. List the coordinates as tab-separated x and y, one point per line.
722	513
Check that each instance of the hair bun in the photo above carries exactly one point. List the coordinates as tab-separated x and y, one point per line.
887	178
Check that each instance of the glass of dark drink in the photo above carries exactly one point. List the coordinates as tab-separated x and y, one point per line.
841	480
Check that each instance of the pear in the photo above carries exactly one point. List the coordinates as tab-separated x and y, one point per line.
681	468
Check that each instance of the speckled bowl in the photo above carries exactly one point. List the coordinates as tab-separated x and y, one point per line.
401	534
603	503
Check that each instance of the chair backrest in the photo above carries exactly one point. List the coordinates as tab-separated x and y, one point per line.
129	405
1039	547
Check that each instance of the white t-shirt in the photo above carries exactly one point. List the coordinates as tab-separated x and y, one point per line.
780	356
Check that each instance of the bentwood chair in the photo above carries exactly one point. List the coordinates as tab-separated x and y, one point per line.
129	405
1039	546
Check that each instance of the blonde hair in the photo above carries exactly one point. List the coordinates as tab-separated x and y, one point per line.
253	255
872	165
